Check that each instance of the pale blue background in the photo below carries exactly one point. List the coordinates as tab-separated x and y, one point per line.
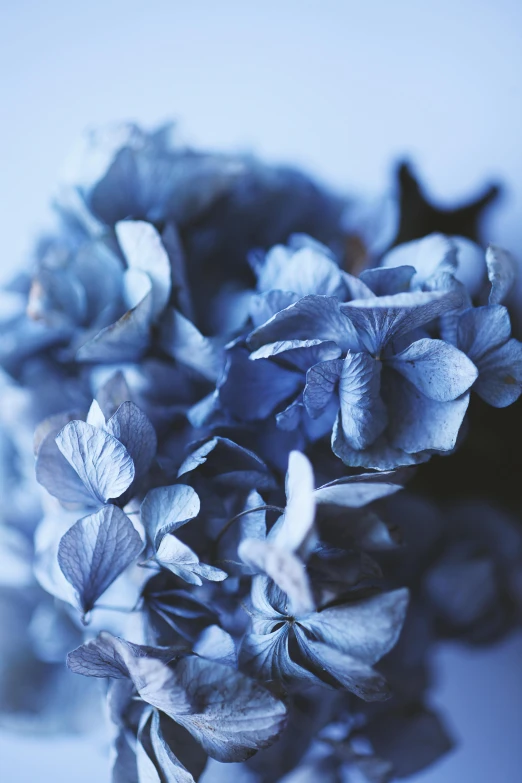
340	87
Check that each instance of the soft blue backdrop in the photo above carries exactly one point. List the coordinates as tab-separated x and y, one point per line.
338	86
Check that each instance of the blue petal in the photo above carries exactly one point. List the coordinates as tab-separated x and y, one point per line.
231	716
437	369
165	509
126	340
291	417
172	769
448	323
147	771
143	250
116	194
124	769
184	562
428	255
95	416
268	603
230	464
356	288
385	318
207	412
502	270
253	524
387	281
95	551
102	463
353	674
182	297
132	427
113	392
352	492
321	383
363	413
313	317
263	306
366	629
369	533
93	262
251	390
293	527
480	329
321	426
500	379
185	343
197	457
381	455
217	645
57	298
305	270
111	656
299	354
99	658
283	567
55	473
267	656
420	424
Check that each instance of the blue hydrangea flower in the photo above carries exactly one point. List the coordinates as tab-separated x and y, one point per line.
401	394
209	503
336	643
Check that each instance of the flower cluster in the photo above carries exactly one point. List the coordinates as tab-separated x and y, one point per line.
210	381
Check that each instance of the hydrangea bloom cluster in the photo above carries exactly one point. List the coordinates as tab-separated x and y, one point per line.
225	417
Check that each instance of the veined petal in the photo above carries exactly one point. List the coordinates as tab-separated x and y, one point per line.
267	656
95	551
363	413
381	455
385	318
165	509
184	562
321	383
102	462
366	629
437	369
480	329
353	674
306	270
58	476
299	354
502	270
230	715
500	379
420	424
132	427
283	567
312	317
